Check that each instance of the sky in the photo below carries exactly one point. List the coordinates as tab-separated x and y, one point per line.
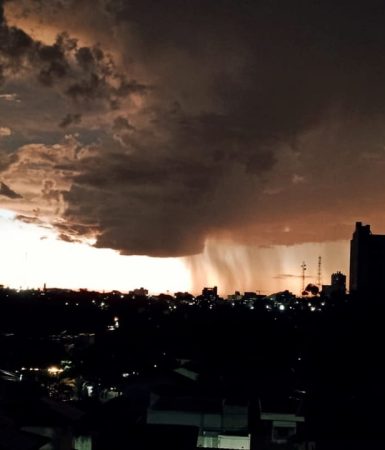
177	144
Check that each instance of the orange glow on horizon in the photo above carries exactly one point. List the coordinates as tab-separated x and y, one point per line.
232	266
32	256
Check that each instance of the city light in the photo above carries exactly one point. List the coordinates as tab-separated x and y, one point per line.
54	370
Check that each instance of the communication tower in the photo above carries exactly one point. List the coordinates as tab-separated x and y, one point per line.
303	267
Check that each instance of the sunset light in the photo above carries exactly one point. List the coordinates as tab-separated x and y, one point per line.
33	256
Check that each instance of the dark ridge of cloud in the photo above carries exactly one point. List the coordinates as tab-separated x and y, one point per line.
94	87
285	276
6	191
122	124
68	238
70	119
76	232
31	220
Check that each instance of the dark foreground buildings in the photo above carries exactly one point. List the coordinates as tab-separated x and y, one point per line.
367	261
337	287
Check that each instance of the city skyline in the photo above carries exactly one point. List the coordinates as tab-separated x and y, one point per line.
220	143
34	257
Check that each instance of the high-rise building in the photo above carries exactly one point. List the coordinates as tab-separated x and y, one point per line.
367	261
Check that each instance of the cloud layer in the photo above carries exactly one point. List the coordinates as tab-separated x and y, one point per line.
154	126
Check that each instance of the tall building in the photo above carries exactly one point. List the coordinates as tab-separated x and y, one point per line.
367	261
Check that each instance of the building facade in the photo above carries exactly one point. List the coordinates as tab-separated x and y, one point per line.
367	261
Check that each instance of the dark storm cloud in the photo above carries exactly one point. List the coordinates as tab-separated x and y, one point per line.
245	118
1	12
50	193
66	238
84	74
122	124
236	81
70	119
7	160
6	191
163	196
74	233
30	220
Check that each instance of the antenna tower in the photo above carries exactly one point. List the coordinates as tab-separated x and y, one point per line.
319	280
303	267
